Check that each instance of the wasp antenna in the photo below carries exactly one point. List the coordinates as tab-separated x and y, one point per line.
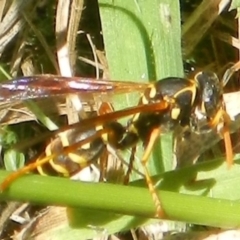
229	72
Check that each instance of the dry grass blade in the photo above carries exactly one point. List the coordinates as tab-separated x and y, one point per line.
75	16
42	40
225	37
206	235
3	5
6	213
62	16
66	26
12	23
201	19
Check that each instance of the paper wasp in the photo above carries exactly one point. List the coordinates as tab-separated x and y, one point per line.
163	106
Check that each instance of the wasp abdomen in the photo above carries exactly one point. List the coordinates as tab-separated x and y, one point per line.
67	164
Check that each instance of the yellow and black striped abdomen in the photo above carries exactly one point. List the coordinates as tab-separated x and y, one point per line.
72	162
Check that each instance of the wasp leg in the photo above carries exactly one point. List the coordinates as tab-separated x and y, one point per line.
104	108
130	166
221	114
30	167
148	150
227	139
103	165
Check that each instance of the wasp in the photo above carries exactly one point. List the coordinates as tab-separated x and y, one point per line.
162	107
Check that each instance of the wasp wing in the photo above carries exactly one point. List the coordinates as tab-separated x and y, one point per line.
48	86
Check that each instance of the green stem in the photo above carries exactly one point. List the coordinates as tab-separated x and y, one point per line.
122	200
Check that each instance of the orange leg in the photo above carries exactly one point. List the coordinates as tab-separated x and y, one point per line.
228	147
227	140
226	134
154	135
32	166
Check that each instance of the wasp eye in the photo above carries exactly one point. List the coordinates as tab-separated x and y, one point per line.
207	93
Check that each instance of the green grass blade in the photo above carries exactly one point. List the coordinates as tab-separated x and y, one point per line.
143	43
142	38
